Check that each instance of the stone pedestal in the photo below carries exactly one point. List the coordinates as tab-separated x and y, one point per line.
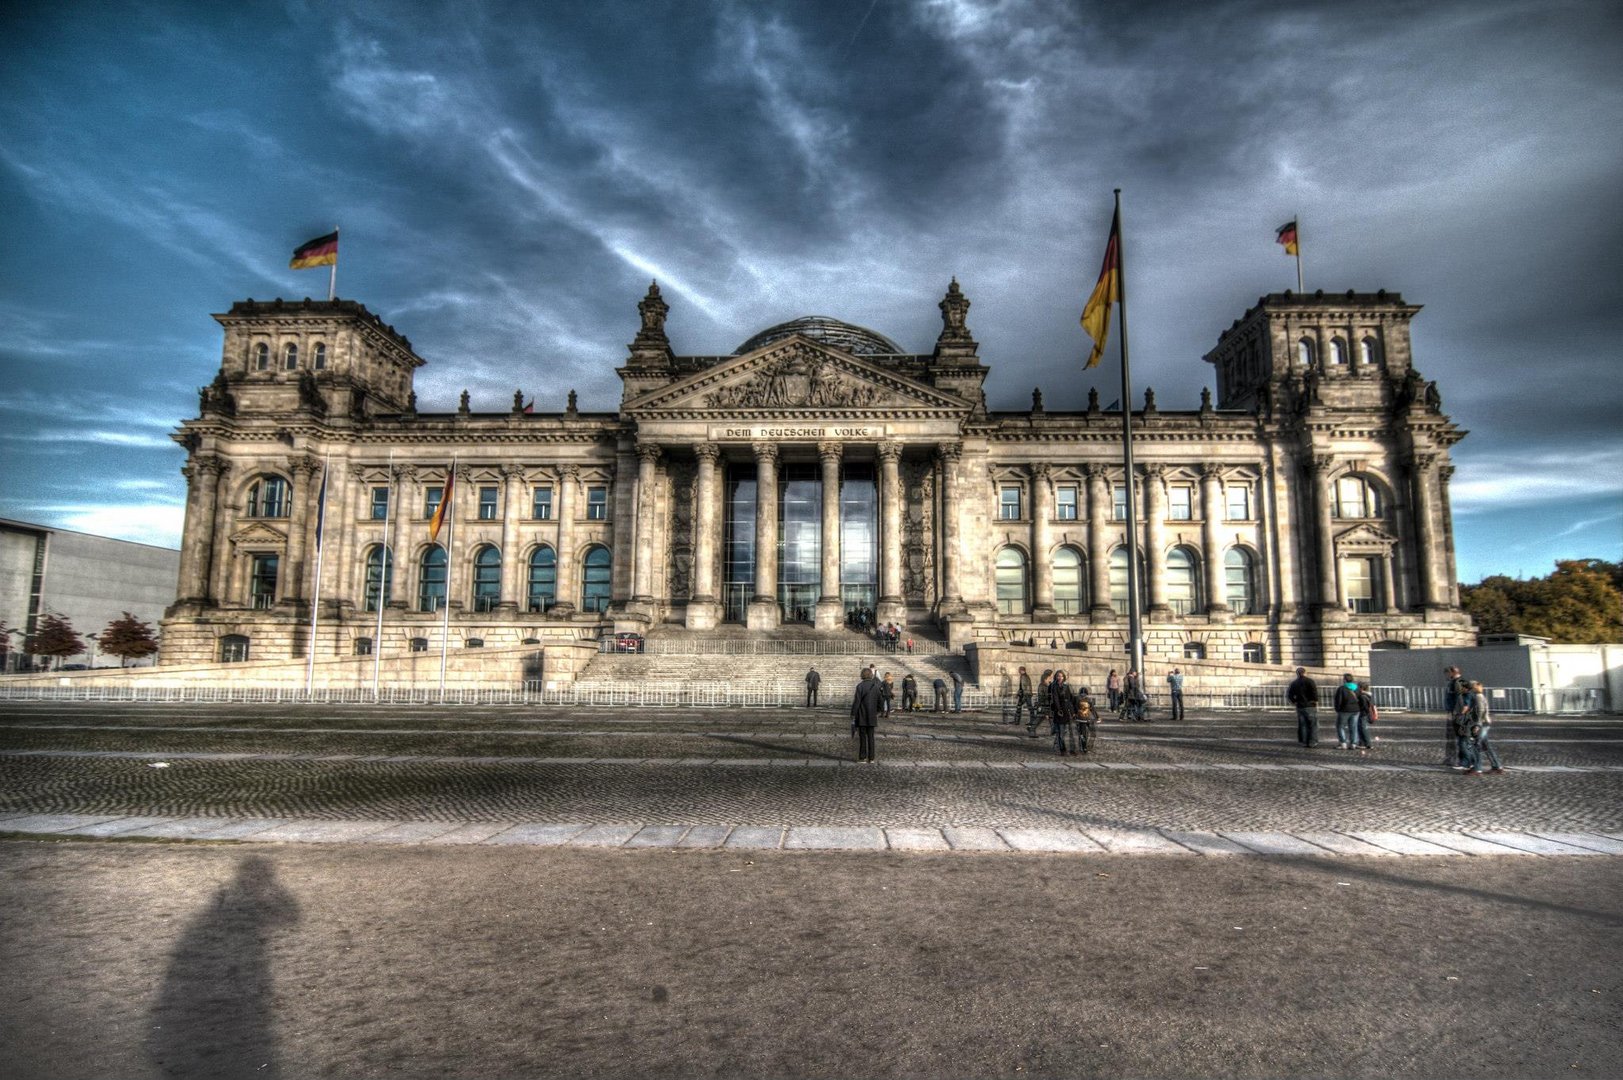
891	610
762	615
830	615
703	614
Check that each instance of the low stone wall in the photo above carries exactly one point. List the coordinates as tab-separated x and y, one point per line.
997	667
554	664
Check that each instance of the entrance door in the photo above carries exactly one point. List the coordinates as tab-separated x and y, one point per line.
799	602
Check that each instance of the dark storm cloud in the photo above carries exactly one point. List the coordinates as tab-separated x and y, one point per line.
509	178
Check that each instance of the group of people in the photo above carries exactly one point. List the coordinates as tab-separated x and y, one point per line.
889	635
1127	699
1072	719
1467	743
875	699
1354	706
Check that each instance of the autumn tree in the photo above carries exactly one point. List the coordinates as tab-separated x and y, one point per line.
128	638
54	636
1579	604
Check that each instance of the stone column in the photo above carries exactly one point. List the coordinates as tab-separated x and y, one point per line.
512	596
1099	510
704	610
1330	609
1042	563
1390	600
1426	542
1155	528
202	474
455	532
1211	511
764	613
401	511
642	585
951	592
568	588
892	604
301	522
830	611
218	572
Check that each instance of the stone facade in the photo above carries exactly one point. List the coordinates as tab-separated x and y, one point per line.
1301	519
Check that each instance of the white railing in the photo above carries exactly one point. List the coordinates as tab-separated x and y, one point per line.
1501	699
770	647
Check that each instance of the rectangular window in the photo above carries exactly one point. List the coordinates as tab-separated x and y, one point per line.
541	507
380	503
1065	502
262	581
597	504
431	500
1239	502
1180	503
487	504
1118	502
1358	582
1008	503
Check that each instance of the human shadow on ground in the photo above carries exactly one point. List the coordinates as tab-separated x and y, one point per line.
795	751
214	1012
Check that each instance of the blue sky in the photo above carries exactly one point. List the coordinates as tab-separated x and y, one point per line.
508	178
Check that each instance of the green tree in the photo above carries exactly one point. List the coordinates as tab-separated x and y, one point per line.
54	636
1491	605
128	638
1579	604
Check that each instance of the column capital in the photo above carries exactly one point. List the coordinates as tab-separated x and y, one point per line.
1041	470
1211	470
1422	462
1446	473
950	451
830	451
205	464
649	452
1095	471
358	471
890	451
765	452
707	451
569	471
515	472
305	465
1153	470
1322	464
405	472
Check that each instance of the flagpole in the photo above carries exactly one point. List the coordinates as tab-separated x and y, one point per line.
332	279
385	573
1135	628
315	591
450	534
1299	288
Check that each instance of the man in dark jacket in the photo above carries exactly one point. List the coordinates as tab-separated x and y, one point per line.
1062	712
1346	713
940	688
865	706
813	681
910	692
1304	694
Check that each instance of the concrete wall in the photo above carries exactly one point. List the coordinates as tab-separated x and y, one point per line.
1547	670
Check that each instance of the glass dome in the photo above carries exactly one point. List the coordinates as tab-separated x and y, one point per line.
857	340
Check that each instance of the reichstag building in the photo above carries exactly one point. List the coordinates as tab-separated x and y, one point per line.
1302	517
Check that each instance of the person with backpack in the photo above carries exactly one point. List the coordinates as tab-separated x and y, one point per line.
1087	721
910	692
1346	704
1367	715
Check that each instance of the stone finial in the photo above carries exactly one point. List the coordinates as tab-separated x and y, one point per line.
1093	401
651	348
573	409
411	402
954	310
652	308
1149	400
462	405
1036	400
518	401
1205	399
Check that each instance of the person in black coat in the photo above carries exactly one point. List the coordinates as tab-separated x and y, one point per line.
866	704
1304	694
1062	711
910	692
813	681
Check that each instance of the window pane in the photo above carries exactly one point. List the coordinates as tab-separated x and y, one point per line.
380	503
595	575
1065	503
487	504
1067	581
431	580
320	357
1181	504
1181	581
1239	589
597	504
262	581
1358	580
543	590
273	497
487	578
378	566
738	560
541	509
1118	508
1239	502
1011	582
1009	503
431	500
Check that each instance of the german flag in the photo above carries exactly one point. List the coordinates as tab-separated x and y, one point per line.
322	251
444	508
1286	237
1096	315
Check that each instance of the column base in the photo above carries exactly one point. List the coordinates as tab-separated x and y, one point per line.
1333	613
1044	613
830	614
563	610
703	614
763	614
1101	613
891	609
1159	613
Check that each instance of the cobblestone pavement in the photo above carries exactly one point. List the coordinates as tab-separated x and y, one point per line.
784	778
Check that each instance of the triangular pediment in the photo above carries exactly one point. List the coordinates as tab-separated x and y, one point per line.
258	534
793	375
1365	537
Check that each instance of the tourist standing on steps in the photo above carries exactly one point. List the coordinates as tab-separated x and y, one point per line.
1113	690
940	688
1304	694
1346	712
957	692
1062	712
910	692
813	681
866	703
1022	698
1175	686
1480	721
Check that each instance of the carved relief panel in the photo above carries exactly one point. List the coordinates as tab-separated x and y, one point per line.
684	491
918	531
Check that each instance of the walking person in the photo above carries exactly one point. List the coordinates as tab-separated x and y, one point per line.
866	704
1022	698
888	691
1481	722
910	692
940	688
1367	715
1304	694
1454	701
1137	701
1042	703
957	692
1087	721
1175	686
1062	712
1346	703
813	681
1113	690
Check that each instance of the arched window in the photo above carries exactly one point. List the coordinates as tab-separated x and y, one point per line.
1068	580
1183	581
487	578
1240	581
1390	644
267	497
1252	652
1338	351
1118	581
234	649
1011	582
1356	497
1369	352
431	580
1194	650
543	579
1304	352
596	570
379	577
290	356
318	356
262	357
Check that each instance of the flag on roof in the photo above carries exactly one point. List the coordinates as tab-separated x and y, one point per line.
1286	237
322	251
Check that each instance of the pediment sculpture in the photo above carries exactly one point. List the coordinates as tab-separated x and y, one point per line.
800	379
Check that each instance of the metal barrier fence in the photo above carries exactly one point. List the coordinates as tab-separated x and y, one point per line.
1501	699
769	647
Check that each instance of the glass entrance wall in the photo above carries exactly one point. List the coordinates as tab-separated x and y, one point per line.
800	541
738	566
859	536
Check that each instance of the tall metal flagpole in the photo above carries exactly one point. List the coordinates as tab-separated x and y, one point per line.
450	534
1135	616
385	574
315	591
332	278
